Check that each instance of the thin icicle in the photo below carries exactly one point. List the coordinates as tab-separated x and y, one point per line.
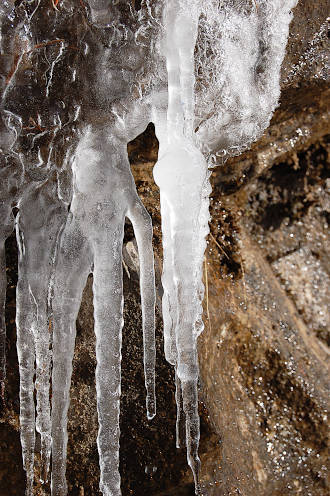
108	315
143	232
26	360
7	227
3	287
179	411
34	275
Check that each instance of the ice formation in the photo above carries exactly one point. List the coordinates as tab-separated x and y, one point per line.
182	176
207	73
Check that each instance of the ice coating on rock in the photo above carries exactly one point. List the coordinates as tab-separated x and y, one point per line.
79	80
239	74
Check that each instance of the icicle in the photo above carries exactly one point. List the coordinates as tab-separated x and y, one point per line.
180	173
143	232
26	360
72	269
36	235
7	227
101	200
179	411
3	287
246	77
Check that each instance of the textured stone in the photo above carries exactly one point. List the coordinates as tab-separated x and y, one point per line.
264	381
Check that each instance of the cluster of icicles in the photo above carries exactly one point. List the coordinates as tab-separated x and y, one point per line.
239	49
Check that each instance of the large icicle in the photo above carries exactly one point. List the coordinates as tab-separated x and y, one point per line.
247	47
182	176
104	193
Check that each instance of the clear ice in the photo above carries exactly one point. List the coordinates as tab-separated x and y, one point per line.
207	74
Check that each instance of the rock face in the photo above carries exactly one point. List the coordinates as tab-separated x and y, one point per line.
265	384
263	353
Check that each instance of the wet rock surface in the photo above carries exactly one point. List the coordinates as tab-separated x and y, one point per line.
265	384
288	216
